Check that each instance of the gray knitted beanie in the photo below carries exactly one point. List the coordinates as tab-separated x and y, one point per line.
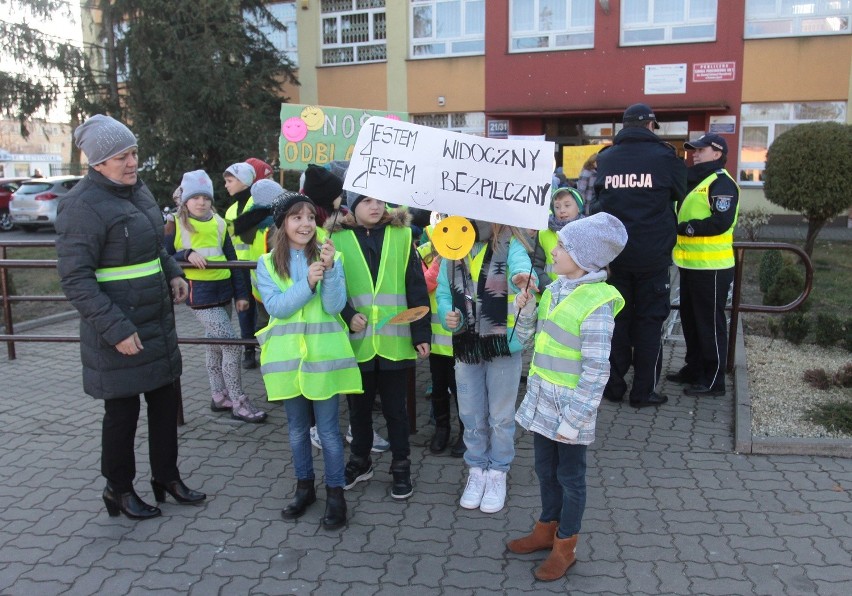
101	137
594	241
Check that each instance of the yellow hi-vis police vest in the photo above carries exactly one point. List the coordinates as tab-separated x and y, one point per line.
207	241
307	353
382	301
548	240
442	340
476	267
704	252
557	356
241	248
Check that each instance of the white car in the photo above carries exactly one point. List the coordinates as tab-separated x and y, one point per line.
34	204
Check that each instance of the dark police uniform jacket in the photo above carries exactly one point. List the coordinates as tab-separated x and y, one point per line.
640	179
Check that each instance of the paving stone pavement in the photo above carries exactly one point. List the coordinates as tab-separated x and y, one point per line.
671	508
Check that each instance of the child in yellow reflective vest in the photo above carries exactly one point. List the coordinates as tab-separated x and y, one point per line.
383	278
201	237
568	373
305	356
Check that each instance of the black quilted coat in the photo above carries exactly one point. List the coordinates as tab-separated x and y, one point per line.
103	224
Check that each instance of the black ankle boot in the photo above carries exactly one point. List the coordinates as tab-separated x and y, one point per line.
129	504
441	438
335	508
305	495
401	471
178	490
459	447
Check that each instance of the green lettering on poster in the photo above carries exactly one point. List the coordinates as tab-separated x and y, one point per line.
320	134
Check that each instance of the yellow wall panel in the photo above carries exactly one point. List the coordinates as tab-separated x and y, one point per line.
359	86
461	81
797	69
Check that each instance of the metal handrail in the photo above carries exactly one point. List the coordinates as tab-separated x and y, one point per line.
737	307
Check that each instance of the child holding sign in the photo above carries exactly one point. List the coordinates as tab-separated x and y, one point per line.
568	373
383	278
474	299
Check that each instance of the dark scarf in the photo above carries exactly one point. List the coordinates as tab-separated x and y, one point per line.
486	310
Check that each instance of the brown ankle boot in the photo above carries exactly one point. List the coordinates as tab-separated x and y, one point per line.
541	538
559	560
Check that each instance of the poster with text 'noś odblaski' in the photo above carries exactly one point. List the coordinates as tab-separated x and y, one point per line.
495	180
320	134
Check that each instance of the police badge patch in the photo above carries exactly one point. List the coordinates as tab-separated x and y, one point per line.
723	202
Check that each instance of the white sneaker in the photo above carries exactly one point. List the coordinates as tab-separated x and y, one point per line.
494	496
315	440
379	444
474	489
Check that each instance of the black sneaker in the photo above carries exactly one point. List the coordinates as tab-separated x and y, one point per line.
357	470
402	487
653	400
699	390
682	376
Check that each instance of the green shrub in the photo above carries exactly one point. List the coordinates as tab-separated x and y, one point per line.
847	334
770	265
788	285
828	330
795	327
836	417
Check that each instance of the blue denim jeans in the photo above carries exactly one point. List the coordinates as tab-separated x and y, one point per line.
487	394
299	421
561	471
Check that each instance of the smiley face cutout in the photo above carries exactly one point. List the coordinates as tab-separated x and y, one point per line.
313	117
453	237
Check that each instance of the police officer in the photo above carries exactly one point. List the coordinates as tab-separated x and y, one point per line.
705	257
639	180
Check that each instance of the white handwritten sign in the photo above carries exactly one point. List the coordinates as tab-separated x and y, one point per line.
490	179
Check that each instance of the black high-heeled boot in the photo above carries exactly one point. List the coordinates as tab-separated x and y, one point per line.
129	504
335	508
178	490
305	495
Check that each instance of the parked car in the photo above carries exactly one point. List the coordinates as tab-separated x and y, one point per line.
34	204
7	187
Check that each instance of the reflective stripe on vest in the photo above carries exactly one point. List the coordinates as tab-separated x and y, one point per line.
557	357
307	353
152	267
207	241
241	248
382	301
704	252
548	241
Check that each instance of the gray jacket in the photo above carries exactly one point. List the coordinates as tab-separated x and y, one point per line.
103	224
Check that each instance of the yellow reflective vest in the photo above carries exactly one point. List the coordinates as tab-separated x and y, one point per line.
557	356
548	240
207	241
307	353
381	301
241	248
704	252
442	340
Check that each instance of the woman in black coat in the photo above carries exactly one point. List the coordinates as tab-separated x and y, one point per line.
117	274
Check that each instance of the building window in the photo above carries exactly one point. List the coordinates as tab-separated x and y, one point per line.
763	122
789	18
648	22
542	25
287	41
472	123
353	31
447	28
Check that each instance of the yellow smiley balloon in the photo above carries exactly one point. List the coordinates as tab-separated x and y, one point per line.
313	117
453	237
